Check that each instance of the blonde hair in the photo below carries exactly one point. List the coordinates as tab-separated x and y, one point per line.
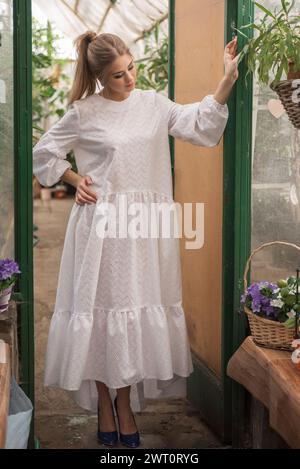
95	54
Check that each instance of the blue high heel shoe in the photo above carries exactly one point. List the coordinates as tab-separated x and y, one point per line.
107	438
131	440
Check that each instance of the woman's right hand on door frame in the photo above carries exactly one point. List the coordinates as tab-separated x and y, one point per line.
83	194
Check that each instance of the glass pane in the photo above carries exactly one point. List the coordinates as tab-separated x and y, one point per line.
6	131
275	183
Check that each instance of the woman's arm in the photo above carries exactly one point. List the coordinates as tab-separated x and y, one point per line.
223	90
83	194
71	177
231	72
202	122
50	152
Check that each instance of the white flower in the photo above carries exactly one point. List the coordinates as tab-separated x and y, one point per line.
291	314
276	290
278	303
296	343
296	356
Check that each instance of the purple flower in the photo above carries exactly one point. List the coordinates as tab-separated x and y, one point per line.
8	267
258	297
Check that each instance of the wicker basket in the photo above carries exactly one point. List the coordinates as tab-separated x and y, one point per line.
285	91
265	332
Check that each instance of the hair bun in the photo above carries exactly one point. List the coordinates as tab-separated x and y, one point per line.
90	36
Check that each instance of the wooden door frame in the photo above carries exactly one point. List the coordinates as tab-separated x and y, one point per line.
221	401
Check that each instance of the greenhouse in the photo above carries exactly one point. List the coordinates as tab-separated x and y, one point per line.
150	341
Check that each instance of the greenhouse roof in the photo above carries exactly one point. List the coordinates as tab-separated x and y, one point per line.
129	19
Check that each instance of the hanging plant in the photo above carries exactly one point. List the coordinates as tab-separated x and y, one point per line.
274	52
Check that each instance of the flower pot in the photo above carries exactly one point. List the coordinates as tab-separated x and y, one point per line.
46	193
5	297
60	192
266	332
292	73
269	334
287	92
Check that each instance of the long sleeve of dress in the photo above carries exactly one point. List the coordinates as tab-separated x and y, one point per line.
200	123
50	152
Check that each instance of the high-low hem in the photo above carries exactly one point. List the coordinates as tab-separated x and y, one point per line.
143	347
148	388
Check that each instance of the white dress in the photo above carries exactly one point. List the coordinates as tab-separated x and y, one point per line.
118	315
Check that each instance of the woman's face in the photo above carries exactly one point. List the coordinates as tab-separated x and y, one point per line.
122	75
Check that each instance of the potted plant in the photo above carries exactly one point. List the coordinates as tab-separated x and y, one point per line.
270	302
46	193
272	309
8	275
60	191
273	53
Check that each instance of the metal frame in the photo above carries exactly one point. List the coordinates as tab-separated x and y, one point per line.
23	189
171	74
236	225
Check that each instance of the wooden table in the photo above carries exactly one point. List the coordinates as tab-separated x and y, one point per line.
5	373
271	377
8	333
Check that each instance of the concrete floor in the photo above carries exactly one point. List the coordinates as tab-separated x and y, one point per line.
60	423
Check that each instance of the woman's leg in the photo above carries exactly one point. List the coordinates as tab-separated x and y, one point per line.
106	416
126	420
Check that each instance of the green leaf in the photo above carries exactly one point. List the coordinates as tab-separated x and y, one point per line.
250	25
291	6
291	281
284	6
242	34
289	323
243	53
156	31
39	129
295	20
265	10
279	73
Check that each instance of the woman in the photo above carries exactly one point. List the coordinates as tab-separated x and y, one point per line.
118	328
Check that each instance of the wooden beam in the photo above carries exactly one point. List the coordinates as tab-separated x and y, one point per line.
76	6
104	17
147	31
76	14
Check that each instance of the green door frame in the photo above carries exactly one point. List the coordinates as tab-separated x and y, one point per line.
171	73
236	225
23	190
